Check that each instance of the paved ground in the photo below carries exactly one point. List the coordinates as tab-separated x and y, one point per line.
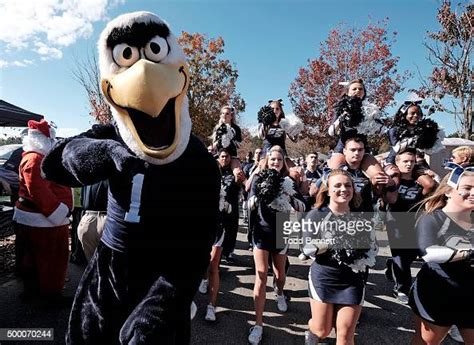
384	321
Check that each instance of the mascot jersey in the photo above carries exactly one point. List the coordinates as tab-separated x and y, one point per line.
144	197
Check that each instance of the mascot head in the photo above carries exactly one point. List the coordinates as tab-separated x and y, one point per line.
144	78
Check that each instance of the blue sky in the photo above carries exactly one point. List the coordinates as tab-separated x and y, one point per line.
268	41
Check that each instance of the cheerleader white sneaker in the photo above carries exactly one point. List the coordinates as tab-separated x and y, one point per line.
210	313
402	298
455	335
255	335
203	286
281	303
193	310
310	338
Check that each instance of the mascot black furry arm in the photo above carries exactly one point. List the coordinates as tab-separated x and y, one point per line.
163	192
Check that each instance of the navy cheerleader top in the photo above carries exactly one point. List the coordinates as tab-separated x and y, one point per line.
437	228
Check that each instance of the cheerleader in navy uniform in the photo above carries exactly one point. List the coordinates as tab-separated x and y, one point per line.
226	230
228	135
272	191
411	131
354	114
443	292
337	276
273	128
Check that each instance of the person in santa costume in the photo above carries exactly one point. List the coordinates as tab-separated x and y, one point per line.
41	213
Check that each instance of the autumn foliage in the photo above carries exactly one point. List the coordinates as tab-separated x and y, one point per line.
213	82
87	74
452	77
347	54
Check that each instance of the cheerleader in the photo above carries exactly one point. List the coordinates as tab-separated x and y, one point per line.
443	292
354	114
272	191
226	230
337	275
227	135
411	131
273	129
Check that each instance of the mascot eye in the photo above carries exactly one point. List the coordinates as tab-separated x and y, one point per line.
125	55
157	49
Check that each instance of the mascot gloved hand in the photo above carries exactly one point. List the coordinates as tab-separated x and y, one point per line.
112	155
162	183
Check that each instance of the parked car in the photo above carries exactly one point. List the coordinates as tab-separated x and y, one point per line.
6	151
10	157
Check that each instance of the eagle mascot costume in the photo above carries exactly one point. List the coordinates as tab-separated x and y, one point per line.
163	192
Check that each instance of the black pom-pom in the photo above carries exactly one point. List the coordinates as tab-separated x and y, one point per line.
220	133
351	110
348	248
266	115
268	185
426	132
226	184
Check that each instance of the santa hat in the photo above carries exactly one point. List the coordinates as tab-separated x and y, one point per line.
41	126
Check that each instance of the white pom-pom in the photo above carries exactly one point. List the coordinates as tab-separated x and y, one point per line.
292	125
370	125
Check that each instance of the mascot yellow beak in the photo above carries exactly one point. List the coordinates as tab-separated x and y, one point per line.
148	88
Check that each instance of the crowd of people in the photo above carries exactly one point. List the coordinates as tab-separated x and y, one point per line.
426	217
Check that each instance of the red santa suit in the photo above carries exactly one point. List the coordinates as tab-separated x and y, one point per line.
42	216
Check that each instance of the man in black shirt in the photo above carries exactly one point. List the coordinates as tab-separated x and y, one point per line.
401	226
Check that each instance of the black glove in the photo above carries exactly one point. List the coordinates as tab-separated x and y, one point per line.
92	160
120	156
471	257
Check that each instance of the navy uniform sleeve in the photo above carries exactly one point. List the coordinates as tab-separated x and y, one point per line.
427	232
238	134
312	232
392	136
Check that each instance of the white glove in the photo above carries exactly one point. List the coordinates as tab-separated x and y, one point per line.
322	247
298	205
252	202
227	207
315	248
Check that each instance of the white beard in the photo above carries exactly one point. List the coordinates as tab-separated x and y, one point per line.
37	142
